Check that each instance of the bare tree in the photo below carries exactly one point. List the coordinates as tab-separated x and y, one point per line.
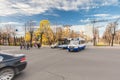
7	33
107	36
59	33
30	27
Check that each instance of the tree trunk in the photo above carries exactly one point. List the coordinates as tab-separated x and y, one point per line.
9	41
0	40
109	43
14	41
31	36
112	40
41	39
94	41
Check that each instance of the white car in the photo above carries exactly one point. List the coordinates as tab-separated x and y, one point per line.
56	45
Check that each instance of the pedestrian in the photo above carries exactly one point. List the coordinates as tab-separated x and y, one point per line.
28	46
21	45
39	45
35	44
25	44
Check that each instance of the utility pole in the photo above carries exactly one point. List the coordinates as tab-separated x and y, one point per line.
94	37
114	30
31	27
113	33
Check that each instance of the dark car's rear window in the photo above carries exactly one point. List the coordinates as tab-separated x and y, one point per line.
6	57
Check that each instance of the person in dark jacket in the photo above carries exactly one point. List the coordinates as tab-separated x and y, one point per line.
39	45
21	45
28	46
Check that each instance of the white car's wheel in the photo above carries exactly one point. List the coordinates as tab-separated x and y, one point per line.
7	74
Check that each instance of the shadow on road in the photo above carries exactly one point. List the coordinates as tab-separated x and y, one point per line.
20	75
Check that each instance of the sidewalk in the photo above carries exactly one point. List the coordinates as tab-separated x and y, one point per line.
114	46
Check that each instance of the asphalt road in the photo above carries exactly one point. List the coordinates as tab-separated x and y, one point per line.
55	64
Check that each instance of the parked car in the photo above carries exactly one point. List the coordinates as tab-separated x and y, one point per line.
76	45
56	45
63	46
11	64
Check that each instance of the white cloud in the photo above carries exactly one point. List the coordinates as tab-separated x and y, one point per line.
5	8
31	7
106	16
51	14
11	23
78	28
87	29
102	15
85	20
110	2
115	16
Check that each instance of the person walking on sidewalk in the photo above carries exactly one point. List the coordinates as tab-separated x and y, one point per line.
28	46
38	44
21	45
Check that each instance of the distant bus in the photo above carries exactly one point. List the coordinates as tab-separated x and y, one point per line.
62	43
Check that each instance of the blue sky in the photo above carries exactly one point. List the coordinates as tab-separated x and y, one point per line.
61	12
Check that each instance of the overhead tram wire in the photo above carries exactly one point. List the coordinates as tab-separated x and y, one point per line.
96	21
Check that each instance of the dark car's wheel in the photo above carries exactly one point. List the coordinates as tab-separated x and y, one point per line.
7	74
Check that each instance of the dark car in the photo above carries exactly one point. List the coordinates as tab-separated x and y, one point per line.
11	64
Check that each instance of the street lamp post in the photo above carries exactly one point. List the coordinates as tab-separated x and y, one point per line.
31	30
14	33
94	36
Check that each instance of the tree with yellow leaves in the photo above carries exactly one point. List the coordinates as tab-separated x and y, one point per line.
44	33
27	37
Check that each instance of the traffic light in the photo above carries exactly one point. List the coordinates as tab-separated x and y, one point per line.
16	30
